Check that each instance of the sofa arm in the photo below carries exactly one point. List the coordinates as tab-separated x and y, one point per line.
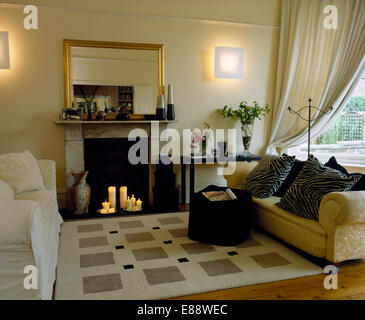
342	208
48	171
342	215
242	170
18	220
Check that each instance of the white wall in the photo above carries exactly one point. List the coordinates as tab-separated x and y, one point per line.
31	92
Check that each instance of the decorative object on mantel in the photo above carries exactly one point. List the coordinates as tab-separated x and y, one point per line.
201	138
160	111
170	104
100	116
123	113
71	114
247	116
89	100
309	119
80	193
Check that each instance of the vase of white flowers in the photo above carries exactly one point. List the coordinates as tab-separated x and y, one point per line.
247	115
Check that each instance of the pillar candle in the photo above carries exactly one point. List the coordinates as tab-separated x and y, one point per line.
139	205
133	200
106	205
112	197
129	204
123	197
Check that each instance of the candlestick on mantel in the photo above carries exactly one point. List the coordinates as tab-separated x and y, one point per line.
123	197
112	197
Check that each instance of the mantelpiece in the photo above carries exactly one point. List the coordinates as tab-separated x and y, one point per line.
76	131
111	122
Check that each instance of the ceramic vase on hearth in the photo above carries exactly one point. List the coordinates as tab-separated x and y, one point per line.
80	193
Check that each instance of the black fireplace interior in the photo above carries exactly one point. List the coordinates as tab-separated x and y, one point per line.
108	165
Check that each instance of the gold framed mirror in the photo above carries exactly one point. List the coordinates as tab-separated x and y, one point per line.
114	74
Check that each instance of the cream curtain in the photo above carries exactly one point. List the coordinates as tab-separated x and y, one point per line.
315	62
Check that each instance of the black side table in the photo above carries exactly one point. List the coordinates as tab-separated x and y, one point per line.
192	161
225	223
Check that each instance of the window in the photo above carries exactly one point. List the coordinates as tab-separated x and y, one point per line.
344	139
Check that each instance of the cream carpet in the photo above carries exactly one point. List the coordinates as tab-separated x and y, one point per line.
151	257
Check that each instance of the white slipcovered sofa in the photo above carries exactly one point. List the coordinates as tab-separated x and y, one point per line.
29	236
339	234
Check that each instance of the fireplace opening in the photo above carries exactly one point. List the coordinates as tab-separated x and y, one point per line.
108	165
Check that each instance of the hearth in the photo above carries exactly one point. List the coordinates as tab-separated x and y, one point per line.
108	165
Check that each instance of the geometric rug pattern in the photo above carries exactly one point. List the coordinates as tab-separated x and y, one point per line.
151	257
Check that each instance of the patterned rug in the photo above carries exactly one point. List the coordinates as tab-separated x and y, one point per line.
151	257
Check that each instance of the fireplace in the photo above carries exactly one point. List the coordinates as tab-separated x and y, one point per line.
108	165
102	148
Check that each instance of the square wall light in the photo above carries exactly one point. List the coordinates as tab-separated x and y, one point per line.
228	63
4	50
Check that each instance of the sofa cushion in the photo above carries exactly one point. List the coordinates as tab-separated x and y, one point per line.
45	198
269	205
313	182
358	186
268	175
333	164
21	172
6	193
297	166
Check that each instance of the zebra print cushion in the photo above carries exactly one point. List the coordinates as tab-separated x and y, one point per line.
268	175
313	182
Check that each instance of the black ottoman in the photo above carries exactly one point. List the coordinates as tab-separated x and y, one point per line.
224	223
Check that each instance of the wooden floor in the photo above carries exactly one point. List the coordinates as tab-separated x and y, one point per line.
351	285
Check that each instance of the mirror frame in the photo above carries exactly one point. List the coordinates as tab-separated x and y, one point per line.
69	43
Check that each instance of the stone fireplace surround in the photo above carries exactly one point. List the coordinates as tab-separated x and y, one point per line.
77	131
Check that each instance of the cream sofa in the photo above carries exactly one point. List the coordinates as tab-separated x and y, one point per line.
338	236
29	236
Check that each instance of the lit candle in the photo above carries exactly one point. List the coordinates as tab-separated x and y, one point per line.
112	197
129	204
123	197
106	205
139	205
133	200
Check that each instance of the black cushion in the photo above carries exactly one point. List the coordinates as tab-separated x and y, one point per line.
358	186
265	179
313	182
298	165
332	163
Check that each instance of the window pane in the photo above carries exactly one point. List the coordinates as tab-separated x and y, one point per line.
345	138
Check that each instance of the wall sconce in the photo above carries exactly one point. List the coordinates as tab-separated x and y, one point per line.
4	50
228	63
